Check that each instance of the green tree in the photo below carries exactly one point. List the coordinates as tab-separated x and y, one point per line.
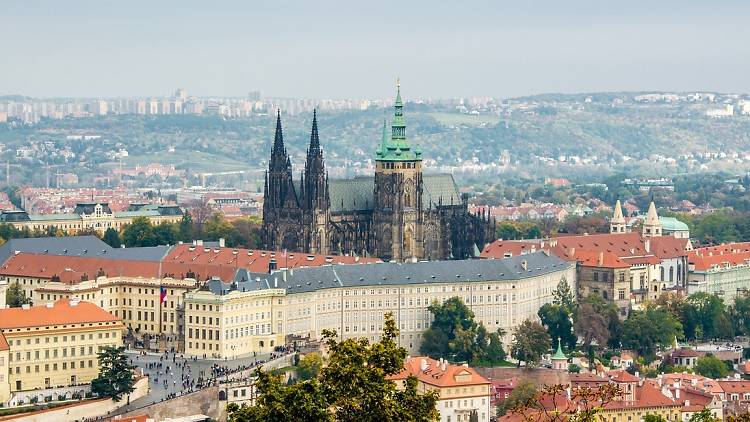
648	330
309	366
355	386
705	314
186	228
740	314
165	234
650	417
115	374
139	232
112	238
712	367
455	335
706	416
15	296
525	390
558	322
530	342
563	296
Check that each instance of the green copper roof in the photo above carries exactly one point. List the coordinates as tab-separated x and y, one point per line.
671	224
397	148
559	355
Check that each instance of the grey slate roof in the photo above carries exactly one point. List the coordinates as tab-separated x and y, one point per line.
87	246
357	194
73	246
309	279
145	253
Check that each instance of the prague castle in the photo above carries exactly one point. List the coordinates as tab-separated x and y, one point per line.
398	214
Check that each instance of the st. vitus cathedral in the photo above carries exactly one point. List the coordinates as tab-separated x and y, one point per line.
399	214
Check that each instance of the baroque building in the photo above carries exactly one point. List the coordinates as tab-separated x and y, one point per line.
399	214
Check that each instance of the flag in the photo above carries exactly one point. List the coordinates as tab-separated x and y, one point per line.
163	294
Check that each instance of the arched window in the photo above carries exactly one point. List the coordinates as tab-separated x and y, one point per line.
662	274
604	294
679	271
671	273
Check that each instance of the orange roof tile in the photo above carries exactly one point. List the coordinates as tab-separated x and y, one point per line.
252	259
62	312
435	375
739	386
3	342
71	269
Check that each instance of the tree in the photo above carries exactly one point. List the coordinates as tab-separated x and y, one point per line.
740	314
115	374
650	417
139	232
309	366
15	296
562	296
609	312
711	367
165	234
551	403
648	330
524	391
559	324
705	315
112	238
706	416
354	386
455	335
186	228
591	325
530	342
200	211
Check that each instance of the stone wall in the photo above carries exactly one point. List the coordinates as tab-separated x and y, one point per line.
81	410
541	376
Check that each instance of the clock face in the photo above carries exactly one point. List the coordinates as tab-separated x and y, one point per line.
388	188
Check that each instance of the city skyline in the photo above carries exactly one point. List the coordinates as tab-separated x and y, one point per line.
501	50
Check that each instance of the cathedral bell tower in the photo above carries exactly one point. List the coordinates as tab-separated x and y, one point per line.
397	213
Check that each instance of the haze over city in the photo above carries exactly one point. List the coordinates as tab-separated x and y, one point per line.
422	211
327	49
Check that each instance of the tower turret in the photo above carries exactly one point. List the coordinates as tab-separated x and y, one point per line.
617	223
652	225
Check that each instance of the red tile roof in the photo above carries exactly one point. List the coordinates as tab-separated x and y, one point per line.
252	259
204	262
3	342
435	375
704	261
600	259
71	269
62	312
738	386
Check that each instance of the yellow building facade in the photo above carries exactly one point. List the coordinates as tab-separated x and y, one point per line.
55	345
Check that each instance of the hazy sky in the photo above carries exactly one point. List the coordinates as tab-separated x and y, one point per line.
357	48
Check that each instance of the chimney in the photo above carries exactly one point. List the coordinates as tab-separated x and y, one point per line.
524	265
272	265
687	403
199	242
444	366
221	242
568	392
74	301
423	364
637	374
694	382
600	261
25	306
647	245
677	393
50	305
